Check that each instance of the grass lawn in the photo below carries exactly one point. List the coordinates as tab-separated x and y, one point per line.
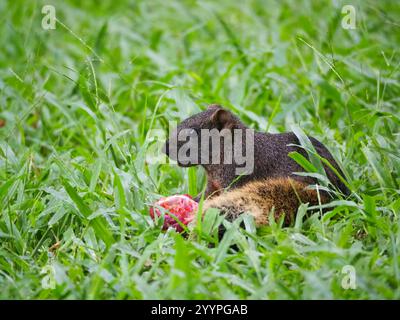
77	107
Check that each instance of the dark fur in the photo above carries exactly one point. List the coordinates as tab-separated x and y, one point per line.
271	154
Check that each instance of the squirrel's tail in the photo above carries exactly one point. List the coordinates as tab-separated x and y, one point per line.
259	197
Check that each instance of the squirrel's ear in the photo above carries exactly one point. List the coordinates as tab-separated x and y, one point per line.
222	118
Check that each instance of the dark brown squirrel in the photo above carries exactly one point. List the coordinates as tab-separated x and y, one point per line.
273	182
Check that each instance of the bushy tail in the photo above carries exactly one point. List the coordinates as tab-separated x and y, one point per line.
259	197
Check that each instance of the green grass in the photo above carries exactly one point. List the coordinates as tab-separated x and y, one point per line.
76	107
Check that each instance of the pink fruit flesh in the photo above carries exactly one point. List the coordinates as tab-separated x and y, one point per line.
183	207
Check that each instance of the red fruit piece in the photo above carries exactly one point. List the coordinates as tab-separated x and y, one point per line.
183	207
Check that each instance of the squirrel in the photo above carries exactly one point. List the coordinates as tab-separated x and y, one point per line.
272	183
259	198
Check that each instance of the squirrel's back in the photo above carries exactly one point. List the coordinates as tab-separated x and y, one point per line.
259	197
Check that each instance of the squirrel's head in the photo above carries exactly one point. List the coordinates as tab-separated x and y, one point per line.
186	141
